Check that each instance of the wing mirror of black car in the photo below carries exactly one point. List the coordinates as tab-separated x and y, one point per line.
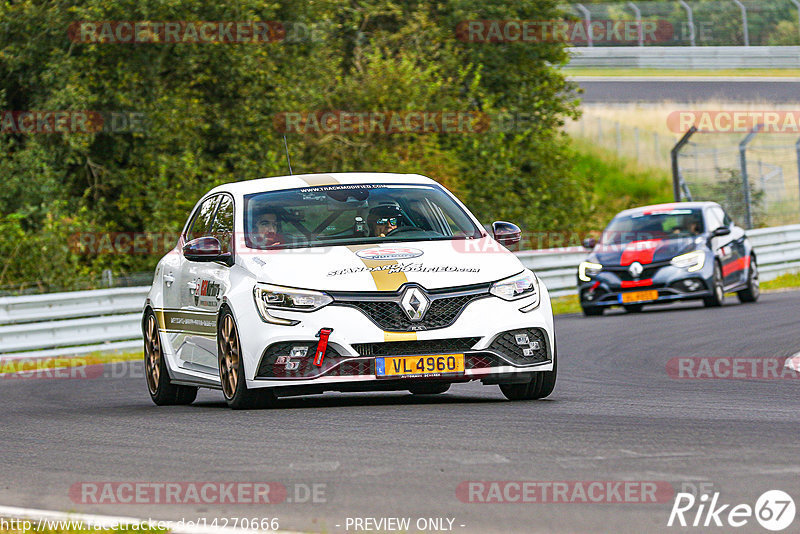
206	249
589	243
722	230
506	233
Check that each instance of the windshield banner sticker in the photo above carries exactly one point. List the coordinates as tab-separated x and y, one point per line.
406	268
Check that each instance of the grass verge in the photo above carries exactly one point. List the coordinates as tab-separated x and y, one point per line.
617	183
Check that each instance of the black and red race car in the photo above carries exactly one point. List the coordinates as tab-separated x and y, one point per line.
667	252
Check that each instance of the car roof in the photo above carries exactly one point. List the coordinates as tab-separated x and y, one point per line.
296	181
665	207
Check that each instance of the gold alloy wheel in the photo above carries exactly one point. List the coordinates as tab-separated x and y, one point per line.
229	357
152	354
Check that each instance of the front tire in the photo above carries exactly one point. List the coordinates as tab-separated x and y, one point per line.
231	369
753	289
717	291
162	391
539	387
593	311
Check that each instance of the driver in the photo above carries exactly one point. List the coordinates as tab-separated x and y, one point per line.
383	219
268	226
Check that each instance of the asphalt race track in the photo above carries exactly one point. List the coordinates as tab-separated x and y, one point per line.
615	415
682	89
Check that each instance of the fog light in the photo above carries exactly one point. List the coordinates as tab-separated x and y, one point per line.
298	352
522	339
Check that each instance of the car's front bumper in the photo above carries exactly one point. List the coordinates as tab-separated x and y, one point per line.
357	342
672	283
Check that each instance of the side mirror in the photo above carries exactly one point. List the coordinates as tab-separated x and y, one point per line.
589	243
722	230
506	233
205	249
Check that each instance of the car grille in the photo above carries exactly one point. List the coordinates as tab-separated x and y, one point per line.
385	311
648	272
512	344
481	360
411	348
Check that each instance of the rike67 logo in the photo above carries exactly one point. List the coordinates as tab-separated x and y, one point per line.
774	510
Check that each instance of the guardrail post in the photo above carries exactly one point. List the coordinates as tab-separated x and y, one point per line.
748	213
588	18
690	20
677	181
638	21
744	22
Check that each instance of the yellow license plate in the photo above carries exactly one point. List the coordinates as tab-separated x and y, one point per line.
639	296
425	365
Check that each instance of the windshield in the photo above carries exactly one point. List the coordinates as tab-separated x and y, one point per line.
653	225
353	214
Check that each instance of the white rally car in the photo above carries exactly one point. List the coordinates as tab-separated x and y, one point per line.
343	282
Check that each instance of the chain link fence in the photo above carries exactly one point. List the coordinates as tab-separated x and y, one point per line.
712	166
693	22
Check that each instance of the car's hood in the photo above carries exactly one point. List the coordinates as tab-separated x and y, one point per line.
645	252
432	264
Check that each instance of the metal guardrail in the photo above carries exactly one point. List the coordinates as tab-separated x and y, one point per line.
82	322
694	57
778	251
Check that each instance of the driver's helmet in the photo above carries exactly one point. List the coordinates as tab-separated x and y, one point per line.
386	215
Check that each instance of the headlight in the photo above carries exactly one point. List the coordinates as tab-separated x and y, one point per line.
524	284
692	261
588	269
269	297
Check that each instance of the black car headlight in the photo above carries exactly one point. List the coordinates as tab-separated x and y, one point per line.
271	297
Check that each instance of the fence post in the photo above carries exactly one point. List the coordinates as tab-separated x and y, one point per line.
676	173
638	22
797	5
748	213
797	151
744	22
588	17
690	20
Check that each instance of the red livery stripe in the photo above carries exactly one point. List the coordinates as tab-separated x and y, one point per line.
736	265
637	283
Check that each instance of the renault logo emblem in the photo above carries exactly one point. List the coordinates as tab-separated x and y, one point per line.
415	303
635	269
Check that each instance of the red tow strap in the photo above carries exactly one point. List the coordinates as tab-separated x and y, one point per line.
322	346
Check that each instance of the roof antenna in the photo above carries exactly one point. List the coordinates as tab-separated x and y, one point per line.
287	154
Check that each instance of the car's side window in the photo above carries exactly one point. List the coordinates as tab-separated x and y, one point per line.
201	224
726	219
222	227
